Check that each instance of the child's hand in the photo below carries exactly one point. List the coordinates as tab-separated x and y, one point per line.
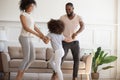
41	36
46	40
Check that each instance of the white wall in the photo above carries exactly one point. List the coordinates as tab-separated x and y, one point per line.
9	10
118	40
92	11
100	17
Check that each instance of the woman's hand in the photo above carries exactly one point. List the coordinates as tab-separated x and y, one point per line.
46	40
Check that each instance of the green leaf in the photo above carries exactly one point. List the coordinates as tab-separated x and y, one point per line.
109	59
107	67
102	58
97	52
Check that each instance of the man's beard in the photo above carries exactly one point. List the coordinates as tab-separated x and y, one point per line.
69	15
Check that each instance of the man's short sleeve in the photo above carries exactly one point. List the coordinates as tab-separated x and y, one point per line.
79	18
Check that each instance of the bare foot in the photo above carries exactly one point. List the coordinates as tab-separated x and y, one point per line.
54	76
74	78
19	75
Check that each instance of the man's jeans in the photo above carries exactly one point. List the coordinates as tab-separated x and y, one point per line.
75	49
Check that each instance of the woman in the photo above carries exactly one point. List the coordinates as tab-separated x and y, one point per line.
28	31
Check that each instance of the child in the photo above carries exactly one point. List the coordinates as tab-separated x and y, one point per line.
56	27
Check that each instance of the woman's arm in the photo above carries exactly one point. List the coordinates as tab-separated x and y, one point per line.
38	31
44	38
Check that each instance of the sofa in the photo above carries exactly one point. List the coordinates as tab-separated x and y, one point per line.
12	59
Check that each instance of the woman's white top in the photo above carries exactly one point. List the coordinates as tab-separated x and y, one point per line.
30	23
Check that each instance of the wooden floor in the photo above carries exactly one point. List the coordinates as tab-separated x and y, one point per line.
45	76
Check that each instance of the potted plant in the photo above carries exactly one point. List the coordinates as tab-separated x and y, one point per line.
100	58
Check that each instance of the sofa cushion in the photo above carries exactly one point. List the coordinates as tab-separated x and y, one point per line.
84	58
69	65
16	53
49	53
15	63
40	53
83	55
69	56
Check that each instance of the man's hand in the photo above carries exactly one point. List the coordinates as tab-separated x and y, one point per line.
74	35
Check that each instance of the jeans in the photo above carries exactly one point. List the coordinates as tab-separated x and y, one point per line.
75	49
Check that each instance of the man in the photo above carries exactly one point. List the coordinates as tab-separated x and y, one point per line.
73	26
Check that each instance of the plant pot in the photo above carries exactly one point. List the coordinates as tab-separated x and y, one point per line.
95	75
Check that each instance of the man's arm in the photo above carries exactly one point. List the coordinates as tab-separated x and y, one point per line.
81	27
81	23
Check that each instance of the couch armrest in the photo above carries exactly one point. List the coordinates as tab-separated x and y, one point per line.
89	64
5	61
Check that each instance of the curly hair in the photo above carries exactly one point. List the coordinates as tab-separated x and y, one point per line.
25	3
56	26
